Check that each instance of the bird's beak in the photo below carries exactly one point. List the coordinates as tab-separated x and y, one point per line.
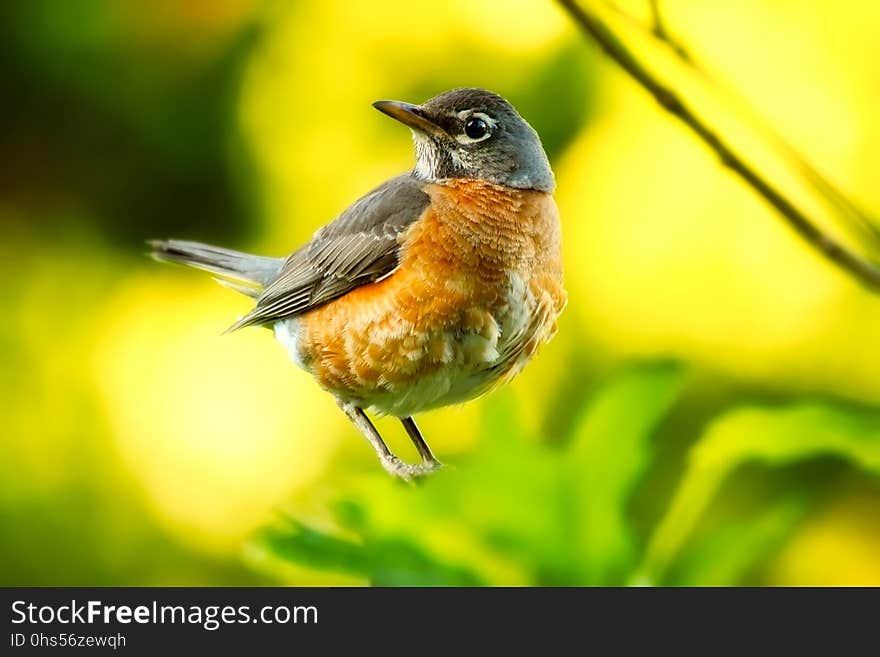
410	115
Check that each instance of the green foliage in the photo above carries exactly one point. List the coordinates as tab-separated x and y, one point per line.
771	436
525	512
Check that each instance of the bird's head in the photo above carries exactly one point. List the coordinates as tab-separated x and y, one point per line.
473	133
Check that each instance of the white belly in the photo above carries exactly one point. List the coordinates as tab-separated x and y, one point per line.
287	333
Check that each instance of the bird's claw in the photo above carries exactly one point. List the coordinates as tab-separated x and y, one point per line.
410	472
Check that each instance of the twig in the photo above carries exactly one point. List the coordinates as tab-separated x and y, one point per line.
865	271
848	210
658	29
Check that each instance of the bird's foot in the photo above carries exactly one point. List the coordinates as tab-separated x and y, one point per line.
409	472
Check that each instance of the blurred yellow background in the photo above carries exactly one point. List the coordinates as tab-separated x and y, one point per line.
142	447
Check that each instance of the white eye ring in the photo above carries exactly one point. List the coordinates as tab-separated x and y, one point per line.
463	138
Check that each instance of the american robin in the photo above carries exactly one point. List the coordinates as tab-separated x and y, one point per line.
435	287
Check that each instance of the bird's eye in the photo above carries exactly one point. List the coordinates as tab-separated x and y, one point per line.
476	128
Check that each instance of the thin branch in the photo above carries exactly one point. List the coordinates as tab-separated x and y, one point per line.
658	29
860	220
866	272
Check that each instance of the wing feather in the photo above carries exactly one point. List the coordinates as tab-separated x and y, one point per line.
358	247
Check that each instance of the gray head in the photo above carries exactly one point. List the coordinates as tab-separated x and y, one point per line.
473	133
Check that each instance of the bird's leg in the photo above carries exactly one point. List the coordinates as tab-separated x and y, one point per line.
415	435
392	464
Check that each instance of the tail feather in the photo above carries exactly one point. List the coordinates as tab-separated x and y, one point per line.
249	274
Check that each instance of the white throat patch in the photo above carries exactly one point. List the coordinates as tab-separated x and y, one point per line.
427	160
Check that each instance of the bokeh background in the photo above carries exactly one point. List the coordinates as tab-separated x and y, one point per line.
708	414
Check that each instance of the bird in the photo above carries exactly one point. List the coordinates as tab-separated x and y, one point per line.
432	289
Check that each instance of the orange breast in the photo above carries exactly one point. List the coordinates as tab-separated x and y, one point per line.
478	289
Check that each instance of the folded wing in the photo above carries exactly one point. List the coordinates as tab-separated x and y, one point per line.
358	247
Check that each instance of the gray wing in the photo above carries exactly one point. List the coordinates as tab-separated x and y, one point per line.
358	247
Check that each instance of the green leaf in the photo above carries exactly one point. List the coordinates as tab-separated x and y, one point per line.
388	561
771	436
729	553
609	455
